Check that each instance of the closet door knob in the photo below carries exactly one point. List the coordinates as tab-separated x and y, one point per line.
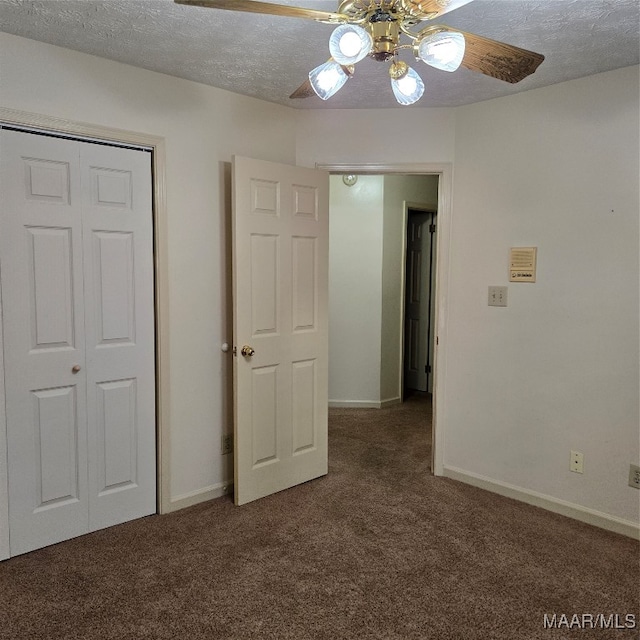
75	368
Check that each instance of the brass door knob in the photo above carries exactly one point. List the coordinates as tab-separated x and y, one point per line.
76	368
247	351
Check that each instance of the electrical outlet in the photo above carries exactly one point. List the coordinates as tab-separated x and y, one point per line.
634	476
576	463
227	443
497	297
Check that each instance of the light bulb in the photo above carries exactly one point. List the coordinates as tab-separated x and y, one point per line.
349	44
407	85
443	50
327	79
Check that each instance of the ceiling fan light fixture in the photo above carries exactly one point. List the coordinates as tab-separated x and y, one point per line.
349	44
443	50
407	85
374	28
327	79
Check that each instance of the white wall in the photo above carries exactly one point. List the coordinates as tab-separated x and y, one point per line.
398	191
366	275
203	127
374	136
355	290
556	370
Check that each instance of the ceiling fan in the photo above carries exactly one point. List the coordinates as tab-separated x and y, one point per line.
374	28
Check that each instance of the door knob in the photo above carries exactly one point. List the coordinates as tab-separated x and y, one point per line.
75	368
247	351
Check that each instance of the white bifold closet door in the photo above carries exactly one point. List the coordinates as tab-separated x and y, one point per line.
76	270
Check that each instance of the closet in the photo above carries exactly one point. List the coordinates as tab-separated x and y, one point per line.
78	338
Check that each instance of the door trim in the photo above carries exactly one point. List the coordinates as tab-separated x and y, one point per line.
5	552
444	170
94	132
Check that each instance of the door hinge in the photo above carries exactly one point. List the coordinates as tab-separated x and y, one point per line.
432	228
427	368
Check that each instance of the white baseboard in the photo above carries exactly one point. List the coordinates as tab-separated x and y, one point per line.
353	404
569	509
363	404
200	495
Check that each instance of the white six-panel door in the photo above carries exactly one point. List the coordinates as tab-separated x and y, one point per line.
43	319
120	343
76	272
280	264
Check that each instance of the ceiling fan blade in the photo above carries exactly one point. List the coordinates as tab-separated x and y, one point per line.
253	6
497	59
430	9
305	90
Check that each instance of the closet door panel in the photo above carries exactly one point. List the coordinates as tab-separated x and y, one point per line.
118	257
44	339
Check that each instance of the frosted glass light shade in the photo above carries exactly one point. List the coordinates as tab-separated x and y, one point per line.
443	50
327	79
349	44
408	88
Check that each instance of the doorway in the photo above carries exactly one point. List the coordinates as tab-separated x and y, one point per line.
387	350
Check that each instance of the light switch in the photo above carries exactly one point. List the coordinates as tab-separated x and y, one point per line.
497	296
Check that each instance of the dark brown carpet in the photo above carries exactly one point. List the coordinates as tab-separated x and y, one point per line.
378	549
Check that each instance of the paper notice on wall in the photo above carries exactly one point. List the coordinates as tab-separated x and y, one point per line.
522	264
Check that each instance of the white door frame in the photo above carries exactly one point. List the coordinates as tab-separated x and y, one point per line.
444	170
4	472
80	130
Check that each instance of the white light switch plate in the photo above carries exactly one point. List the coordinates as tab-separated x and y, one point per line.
497	296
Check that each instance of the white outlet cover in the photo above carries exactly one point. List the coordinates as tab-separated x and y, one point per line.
577	462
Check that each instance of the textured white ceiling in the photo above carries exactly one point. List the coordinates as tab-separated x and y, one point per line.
269	56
